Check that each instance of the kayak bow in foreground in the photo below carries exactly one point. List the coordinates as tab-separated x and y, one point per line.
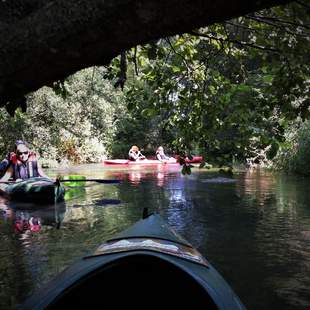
147	265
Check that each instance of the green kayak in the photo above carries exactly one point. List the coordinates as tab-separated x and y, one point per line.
147	266
34	190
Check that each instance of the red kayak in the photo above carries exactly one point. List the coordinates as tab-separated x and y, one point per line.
195	159
139	162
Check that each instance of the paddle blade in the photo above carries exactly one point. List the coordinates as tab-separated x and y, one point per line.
73	180
78	180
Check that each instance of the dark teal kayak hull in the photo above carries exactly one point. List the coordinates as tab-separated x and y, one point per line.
145	266
34	190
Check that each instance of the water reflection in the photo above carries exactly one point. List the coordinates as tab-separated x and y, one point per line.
74	192
136	175
24	222
259	187
255	230
27	218
279	205
21	229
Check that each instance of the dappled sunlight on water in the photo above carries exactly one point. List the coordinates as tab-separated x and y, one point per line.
253	227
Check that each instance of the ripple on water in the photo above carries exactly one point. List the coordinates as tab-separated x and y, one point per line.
254	228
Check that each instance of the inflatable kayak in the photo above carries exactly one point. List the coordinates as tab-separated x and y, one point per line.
34	190
194	159
147	264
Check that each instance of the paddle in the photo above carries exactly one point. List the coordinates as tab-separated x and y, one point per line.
7	182
103	181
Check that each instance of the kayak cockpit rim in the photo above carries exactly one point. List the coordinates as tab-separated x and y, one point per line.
162	246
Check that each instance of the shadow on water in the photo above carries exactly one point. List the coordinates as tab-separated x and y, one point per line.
254	228
100	203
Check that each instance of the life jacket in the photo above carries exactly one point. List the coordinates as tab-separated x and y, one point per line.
161	156
25	170
133	156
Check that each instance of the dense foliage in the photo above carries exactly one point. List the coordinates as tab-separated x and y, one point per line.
74	122
229	89
294	154
229	92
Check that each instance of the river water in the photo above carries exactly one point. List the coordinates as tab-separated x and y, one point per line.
254	228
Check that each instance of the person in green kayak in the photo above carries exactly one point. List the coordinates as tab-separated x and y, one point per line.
135	154
21	164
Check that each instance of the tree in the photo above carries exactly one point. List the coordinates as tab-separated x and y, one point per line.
77	123
44	41
229	88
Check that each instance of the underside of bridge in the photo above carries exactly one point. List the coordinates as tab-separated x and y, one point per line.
42	41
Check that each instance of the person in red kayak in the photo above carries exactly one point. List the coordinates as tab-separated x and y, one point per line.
22	164
135	154
160	155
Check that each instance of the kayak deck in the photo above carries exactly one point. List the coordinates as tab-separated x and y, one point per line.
126	283
139	276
